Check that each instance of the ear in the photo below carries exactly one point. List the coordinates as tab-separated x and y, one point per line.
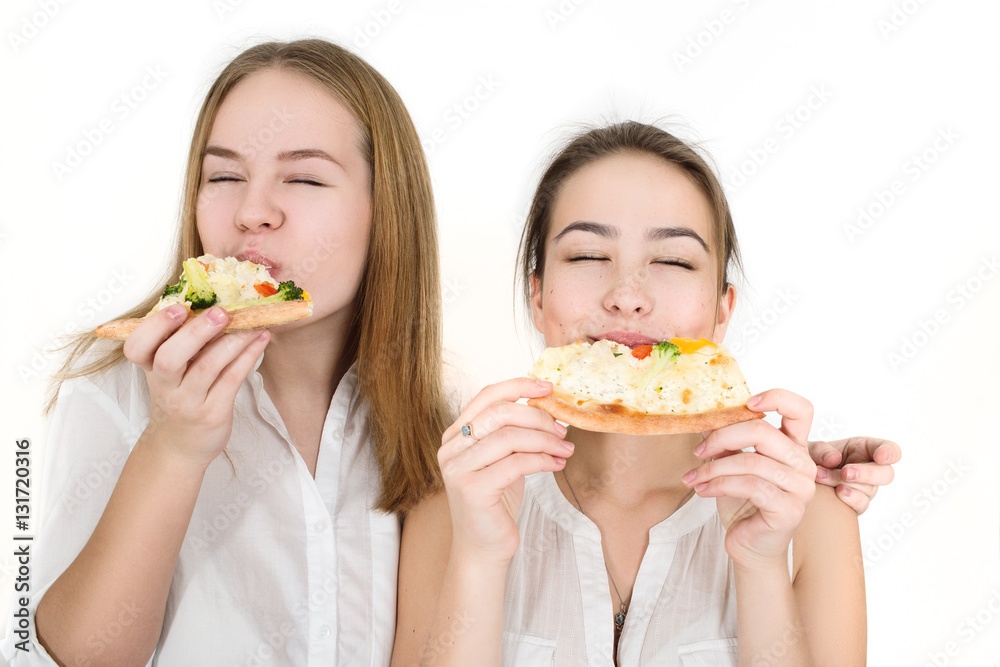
536	303
727	304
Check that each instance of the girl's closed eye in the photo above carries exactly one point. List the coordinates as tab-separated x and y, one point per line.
583	257
307	181
675	261
224	179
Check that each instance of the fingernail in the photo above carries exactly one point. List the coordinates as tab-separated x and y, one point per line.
559	461
560	429
829	456
544	384
176	312
822	473
850	474
264	335
701	487
689	475
846	491
216	315
569	446
700	448
753	401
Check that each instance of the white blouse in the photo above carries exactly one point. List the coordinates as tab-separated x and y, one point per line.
558	608
277	568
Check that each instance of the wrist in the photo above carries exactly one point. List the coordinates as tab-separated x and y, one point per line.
170	459
763	568
473	566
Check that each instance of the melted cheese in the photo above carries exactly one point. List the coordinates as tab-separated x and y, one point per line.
232	281
703	377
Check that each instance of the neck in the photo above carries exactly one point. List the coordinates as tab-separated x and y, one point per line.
626	470
307	360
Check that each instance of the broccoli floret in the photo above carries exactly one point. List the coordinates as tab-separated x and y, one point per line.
666	350
663	353
199	290
174	290
287	291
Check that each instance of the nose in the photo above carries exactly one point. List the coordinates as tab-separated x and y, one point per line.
629	295
258	209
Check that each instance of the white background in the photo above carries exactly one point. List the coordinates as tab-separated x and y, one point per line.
823	308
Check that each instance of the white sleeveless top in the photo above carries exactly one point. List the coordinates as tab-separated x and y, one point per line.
558	608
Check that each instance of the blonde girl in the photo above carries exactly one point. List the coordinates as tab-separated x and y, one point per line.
284	550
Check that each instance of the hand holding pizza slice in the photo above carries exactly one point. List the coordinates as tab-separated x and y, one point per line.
246	290
675	386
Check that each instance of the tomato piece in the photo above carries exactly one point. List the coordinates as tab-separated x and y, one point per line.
641	351
265	289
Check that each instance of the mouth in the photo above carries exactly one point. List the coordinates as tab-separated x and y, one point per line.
630	338
257	258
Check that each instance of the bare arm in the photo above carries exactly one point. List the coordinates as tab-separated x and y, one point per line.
829	581
450	611
455	615
122	575
423	558
765	498
819	618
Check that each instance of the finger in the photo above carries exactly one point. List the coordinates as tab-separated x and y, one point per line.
833	478
207	365
861	449
508	390
764	438
766	496
825	453
142	344
854	499
868	473
749	464
796	412
174	355
508	470
505	413
508	441
230	379
887	452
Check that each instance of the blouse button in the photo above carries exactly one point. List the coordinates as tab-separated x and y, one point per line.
319	526
338	434
324	632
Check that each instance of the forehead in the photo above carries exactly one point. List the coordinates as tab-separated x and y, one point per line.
633	192
281	109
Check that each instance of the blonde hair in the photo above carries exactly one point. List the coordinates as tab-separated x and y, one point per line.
396	333
626	137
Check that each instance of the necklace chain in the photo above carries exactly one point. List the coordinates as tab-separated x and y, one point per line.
623	609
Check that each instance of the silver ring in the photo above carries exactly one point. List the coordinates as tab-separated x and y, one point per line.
467	431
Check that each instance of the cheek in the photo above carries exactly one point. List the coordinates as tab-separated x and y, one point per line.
566	305
208	214
692	309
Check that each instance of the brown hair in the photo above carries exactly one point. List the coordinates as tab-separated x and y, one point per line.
626	137
397	328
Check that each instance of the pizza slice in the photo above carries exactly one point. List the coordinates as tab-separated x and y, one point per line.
253	298
676	386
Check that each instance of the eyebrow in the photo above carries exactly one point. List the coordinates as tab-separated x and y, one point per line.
652	234
284	156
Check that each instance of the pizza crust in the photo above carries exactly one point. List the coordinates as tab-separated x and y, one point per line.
616	418
242	319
